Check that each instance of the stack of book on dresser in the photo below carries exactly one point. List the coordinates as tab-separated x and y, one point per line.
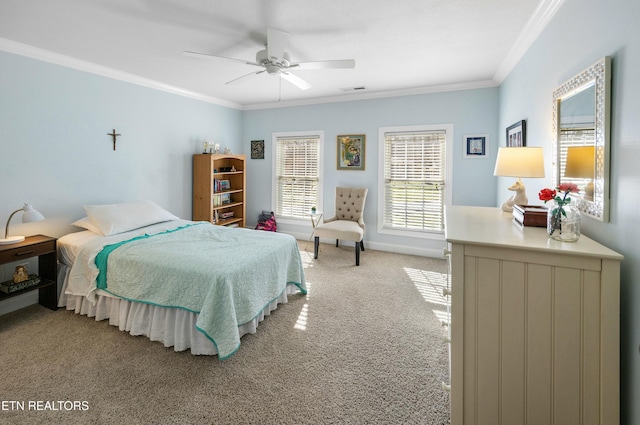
530	215
10	286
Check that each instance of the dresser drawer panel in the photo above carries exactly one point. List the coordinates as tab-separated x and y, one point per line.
531	343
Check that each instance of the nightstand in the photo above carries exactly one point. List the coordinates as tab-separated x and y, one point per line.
43	247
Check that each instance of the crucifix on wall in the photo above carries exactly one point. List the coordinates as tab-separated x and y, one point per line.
114	135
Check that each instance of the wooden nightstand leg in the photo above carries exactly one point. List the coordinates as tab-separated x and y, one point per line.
48	297
47	268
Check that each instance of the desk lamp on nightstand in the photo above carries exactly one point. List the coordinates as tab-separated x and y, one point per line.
30	215
518	162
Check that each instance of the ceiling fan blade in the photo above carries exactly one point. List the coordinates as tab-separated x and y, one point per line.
243	77
208	55
277	42
332	64
295	80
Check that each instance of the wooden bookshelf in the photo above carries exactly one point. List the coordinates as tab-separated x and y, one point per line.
219	182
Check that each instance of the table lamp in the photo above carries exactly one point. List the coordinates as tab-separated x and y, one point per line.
30	215
581	164
518	162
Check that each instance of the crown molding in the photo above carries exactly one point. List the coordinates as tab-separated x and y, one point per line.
532	29
80	65
374	95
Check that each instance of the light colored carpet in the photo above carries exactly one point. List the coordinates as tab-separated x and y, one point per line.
363	347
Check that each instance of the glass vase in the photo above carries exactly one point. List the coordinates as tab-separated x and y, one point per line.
563	222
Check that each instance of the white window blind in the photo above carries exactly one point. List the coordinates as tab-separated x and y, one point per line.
297	175
414	180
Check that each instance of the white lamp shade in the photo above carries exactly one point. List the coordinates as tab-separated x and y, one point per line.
29	215
519	162
580	162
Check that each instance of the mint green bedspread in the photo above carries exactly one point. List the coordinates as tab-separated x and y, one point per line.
226	276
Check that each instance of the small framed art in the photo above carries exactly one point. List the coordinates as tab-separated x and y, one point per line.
351	150
475	145
517	134
257	149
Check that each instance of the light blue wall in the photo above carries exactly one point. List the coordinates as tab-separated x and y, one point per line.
470	111
55	152
582	32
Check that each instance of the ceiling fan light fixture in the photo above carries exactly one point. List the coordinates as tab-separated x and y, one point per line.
272	69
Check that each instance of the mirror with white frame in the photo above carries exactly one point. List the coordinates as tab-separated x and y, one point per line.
580	151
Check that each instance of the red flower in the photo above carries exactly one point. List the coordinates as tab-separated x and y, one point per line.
560	201
547	195
568	187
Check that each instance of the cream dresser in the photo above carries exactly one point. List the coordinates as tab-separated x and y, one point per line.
534	328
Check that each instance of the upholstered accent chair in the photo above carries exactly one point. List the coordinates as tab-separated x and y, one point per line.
347	223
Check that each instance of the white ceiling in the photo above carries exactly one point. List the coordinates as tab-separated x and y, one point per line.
400	47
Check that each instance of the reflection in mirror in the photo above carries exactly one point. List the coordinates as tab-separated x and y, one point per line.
581	138
577	138
579	168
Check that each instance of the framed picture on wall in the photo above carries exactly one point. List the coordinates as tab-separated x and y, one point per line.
475	145
257	149
517	134
351	149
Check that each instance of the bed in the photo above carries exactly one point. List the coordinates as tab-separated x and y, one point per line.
190	285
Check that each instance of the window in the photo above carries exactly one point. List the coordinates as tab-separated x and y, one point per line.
297	173
414	179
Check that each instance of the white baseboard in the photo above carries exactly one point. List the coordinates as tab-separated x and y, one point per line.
409	250
380	246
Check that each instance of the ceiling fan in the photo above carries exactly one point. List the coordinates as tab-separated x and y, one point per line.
276	61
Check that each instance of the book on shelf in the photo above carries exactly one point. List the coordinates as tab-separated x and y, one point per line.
10	286
221	199
221	185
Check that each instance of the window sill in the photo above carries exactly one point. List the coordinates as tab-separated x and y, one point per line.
412	233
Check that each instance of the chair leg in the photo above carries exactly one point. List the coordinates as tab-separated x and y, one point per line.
357	254
362	244
337	240
316	245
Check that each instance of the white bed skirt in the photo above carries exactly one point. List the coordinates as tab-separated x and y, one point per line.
174	327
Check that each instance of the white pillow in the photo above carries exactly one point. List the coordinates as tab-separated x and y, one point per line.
86	223
112	219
